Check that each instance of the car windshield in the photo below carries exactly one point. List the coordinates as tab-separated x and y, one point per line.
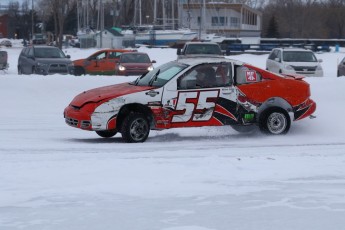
134	58
299	56
48	53
161	75
203	49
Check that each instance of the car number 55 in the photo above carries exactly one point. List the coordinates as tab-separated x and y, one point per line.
197	105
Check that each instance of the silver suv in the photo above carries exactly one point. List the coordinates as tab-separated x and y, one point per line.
294	61
199	49
44	60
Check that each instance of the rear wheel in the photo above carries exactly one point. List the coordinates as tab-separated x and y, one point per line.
275	121
135	128
106	133
20	71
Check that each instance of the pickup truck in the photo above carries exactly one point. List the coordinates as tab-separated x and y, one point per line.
199	49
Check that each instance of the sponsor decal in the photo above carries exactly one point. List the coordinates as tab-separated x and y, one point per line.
251	76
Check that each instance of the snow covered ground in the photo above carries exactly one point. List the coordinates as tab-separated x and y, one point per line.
55	177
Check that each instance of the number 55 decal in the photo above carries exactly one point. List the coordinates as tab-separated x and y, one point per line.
195	106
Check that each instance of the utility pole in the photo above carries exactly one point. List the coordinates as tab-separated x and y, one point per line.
32	20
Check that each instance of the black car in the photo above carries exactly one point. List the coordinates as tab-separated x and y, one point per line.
44	60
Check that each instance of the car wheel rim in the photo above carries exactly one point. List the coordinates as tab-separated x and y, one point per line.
276	123
138	129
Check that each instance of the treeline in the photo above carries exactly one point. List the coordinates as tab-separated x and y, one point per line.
280	18
304	19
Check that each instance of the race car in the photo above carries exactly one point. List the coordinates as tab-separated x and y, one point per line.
194	93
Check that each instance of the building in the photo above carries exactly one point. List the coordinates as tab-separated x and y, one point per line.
4	26
112	38
220	18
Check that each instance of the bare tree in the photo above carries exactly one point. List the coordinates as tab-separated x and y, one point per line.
58	9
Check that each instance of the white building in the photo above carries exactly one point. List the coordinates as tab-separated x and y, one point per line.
226	19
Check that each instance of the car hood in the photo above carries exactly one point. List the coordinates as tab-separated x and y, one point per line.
136	65
54	60
106	93
302	63
79	61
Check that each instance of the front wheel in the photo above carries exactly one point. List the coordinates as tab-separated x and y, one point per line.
20	71
78	71
106	133
135	128
275	121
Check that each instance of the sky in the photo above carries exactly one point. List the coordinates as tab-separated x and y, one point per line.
55	177
6	2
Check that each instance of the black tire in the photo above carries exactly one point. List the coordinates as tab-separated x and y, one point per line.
244	128
135	128
78	71
106	133
33	70
275	121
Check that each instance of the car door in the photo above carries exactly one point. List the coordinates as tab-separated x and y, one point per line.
194	106
95	63
273	61
341	68
28	62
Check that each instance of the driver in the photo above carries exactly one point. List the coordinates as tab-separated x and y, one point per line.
206	77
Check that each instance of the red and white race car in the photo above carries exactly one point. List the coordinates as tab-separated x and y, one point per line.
194	93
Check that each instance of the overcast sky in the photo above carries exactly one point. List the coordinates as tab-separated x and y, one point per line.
5	2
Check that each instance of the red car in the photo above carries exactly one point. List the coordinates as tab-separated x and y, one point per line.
194	93
134	64
102	62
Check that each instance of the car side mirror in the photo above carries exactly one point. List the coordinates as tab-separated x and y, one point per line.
68	56
320	60
153	61
178	51
277	59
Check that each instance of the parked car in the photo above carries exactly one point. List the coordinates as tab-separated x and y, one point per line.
44	60
341	68
199	49
6	43
294	61
136	63
193	93
3	60
102	62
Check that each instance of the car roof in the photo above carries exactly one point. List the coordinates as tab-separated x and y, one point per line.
205	43
197	61
294	49
46	46
132	53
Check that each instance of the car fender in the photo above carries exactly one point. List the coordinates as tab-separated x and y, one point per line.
275	102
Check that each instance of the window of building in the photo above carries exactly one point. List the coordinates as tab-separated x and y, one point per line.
219	21
234	22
